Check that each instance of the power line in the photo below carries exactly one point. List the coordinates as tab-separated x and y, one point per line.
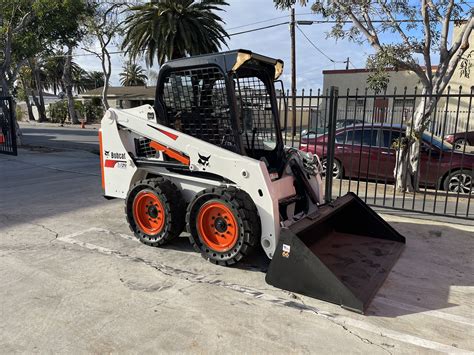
230	35
263	21
315	47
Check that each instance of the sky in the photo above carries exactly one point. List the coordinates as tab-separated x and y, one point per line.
273	42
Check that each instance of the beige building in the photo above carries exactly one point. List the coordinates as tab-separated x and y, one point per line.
400	100
124	96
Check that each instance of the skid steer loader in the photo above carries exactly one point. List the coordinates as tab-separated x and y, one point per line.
209	157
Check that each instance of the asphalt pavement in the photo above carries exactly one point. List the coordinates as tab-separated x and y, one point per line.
74	279
47	135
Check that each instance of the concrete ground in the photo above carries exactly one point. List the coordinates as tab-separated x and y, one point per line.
75	280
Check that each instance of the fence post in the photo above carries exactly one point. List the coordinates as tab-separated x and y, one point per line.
333	97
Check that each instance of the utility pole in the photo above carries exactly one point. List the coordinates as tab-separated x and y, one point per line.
293	71
347	63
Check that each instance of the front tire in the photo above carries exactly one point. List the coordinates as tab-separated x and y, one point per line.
336	168
223	224
155	211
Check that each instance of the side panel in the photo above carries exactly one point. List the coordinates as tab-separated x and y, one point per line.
248	174
118	168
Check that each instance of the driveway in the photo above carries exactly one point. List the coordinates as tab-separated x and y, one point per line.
74	279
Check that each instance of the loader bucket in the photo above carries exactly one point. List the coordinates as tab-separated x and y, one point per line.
341	254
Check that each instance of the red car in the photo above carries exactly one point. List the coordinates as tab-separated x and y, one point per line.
364	151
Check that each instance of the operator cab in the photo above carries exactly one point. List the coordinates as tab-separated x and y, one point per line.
227	99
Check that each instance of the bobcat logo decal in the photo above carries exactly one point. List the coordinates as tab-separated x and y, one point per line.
203	161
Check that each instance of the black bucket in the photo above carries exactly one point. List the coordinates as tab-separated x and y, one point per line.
341	254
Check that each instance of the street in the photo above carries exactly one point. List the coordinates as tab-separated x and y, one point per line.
53	136
76	280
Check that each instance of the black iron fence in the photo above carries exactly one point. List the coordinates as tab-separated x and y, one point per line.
7	127
360	135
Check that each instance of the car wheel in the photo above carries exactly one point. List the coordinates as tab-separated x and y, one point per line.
336	168
460	143
459	181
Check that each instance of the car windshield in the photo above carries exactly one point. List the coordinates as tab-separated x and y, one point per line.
436	141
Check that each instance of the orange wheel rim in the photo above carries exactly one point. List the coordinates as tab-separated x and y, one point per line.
217	226
148	212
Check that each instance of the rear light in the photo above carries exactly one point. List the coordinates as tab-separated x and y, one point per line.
449	138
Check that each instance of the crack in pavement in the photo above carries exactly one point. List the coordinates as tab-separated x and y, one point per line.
295	303
56	234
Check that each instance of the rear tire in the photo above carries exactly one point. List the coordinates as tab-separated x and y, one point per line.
224	225
155	211
460	143
460	181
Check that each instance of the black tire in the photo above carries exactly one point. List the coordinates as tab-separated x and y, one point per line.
171	203
337	168
244	211
460	143
460	181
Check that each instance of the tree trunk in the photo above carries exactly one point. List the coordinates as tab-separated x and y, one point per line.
39	104
67	79
406	172
107	69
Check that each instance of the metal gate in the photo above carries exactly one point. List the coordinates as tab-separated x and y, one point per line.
359	134
7	127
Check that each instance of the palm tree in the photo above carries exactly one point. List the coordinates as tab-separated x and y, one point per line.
53	68
93	80
133	75
170	29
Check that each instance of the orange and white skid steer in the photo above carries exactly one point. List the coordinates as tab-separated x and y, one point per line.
209	157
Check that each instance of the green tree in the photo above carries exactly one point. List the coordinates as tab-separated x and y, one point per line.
133	75
169	29
423	35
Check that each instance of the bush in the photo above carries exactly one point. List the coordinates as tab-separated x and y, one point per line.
58	111
96	101
85	110
93	110
19	113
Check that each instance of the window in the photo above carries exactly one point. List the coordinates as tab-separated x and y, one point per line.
390	136
365	137
406	103
196	103
257	118
341	137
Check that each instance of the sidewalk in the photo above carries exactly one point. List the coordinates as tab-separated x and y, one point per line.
75	280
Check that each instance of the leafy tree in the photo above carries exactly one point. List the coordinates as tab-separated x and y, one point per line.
133	75
422	36
169	29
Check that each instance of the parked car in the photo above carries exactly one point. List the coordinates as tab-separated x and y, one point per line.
367	152
461	139
321	130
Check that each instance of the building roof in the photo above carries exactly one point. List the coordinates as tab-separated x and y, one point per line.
363	70
124	91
